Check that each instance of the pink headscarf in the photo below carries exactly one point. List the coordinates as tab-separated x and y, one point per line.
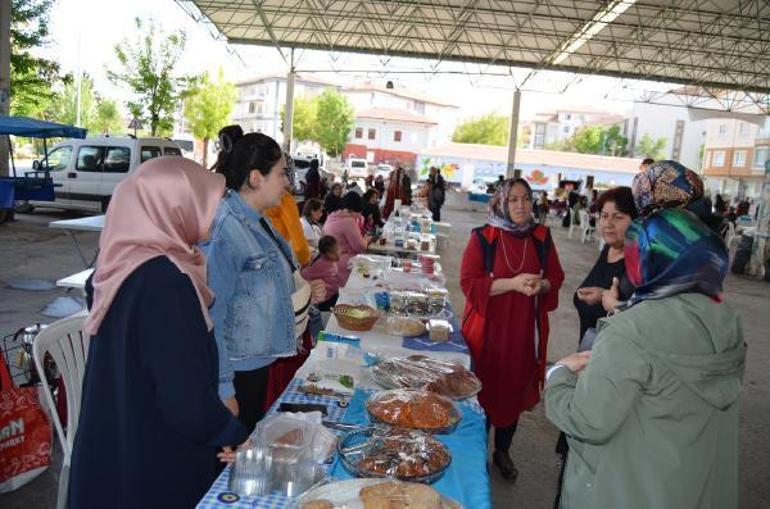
163	209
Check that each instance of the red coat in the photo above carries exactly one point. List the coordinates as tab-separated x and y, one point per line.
509	364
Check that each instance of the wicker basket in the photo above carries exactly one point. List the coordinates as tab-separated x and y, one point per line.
361	323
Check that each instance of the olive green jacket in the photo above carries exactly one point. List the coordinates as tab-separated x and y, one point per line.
652	421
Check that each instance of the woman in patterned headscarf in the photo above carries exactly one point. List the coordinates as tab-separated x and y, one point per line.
510	271
668	184
659	390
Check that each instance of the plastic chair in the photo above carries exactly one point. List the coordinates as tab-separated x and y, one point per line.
67	344
731	235
585	226
572	222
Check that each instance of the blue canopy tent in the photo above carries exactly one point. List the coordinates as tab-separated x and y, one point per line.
33	128
32	186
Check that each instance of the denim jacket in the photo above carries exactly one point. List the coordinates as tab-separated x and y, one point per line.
252	311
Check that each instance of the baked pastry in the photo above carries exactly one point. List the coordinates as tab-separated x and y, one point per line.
396	495
413	409
421	372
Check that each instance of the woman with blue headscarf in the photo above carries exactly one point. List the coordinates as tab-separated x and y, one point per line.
651	414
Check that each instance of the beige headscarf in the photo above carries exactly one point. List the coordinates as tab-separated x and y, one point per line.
163	209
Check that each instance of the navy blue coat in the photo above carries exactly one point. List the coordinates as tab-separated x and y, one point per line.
151	420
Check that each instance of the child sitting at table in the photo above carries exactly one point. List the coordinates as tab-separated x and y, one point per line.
326	268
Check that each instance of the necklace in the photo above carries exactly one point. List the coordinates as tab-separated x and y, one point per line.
523	257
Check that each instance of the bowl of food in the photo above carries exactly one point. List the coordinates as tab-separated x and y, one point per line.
404	454
356	318
415	409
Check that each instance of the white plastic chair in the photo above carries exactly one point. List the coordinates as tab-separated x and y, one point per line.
585	226
67	343
731	235
572	222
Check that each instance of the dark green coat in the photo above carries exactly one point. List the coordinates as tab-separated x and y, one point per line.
652	422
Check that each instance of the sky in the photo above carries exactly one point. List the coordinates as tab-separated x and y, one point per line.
83	34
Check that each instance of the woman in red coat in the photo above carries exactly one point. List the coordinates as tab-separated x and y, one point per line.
511	277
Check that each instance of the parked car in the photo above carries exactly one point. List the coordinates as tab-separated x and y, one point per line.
86	171
383	170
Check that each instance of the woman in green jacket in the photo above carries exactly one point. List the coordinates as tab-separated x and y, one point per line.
651	415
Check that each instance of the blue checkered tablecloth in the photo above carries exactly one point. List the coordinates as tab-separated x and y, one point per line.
218	495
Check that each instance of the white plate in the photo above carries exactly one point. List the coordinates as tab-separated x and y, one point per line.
344	494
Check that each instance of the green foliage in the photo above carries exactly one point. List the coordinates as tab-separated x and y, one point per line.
594	139
651	147
489	129
334	121
108	118
64	105
97	115
207	107
146	68
305	118
32	77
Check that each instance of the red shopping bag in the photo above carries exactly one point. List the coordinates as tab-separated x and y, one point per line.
25	434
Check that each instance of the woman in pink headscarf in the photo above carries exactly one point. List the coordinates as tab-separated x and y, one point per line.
151	420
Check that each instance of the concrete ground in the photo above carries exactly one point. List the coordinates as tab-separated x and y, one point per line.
28	248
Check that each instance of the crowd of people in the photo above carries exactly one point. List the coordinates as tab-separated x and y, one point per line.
647	407
206	296
207	286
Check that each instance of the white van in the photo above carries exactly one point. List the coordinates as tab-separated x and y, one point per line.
85	172
357	168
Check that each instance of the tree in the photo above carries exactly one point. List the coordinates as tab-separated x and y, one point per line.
147	67
32	77
207	107
651	147
589	139
334	121
597	139
305	118
108	118
489	129
64	107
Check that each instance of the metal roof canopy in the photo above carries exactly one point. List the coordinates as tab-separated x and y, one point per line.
722	44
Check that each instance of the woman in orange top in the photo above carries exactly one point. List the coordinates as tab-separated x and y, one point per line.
285	219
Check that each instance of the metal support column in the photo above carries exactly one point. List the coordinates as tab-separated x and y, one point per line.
5	76
760	250
513	135
288	118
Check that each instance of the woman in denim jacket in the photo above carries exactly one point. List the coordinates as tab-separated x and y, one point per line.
250	269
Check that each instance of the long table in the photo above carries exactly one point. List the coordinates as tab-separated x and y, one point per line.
83	224
465	480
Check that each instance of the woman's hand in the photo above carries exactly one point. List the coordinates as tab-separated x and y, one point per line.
591	295
576	362
232	405
317	291
611	297
525	283
228	454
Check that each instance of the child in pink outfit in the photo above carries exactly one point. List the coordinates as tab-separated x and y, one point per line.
326	268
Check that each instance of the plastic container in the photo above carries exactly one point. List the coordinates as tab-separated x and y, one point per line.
439	330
